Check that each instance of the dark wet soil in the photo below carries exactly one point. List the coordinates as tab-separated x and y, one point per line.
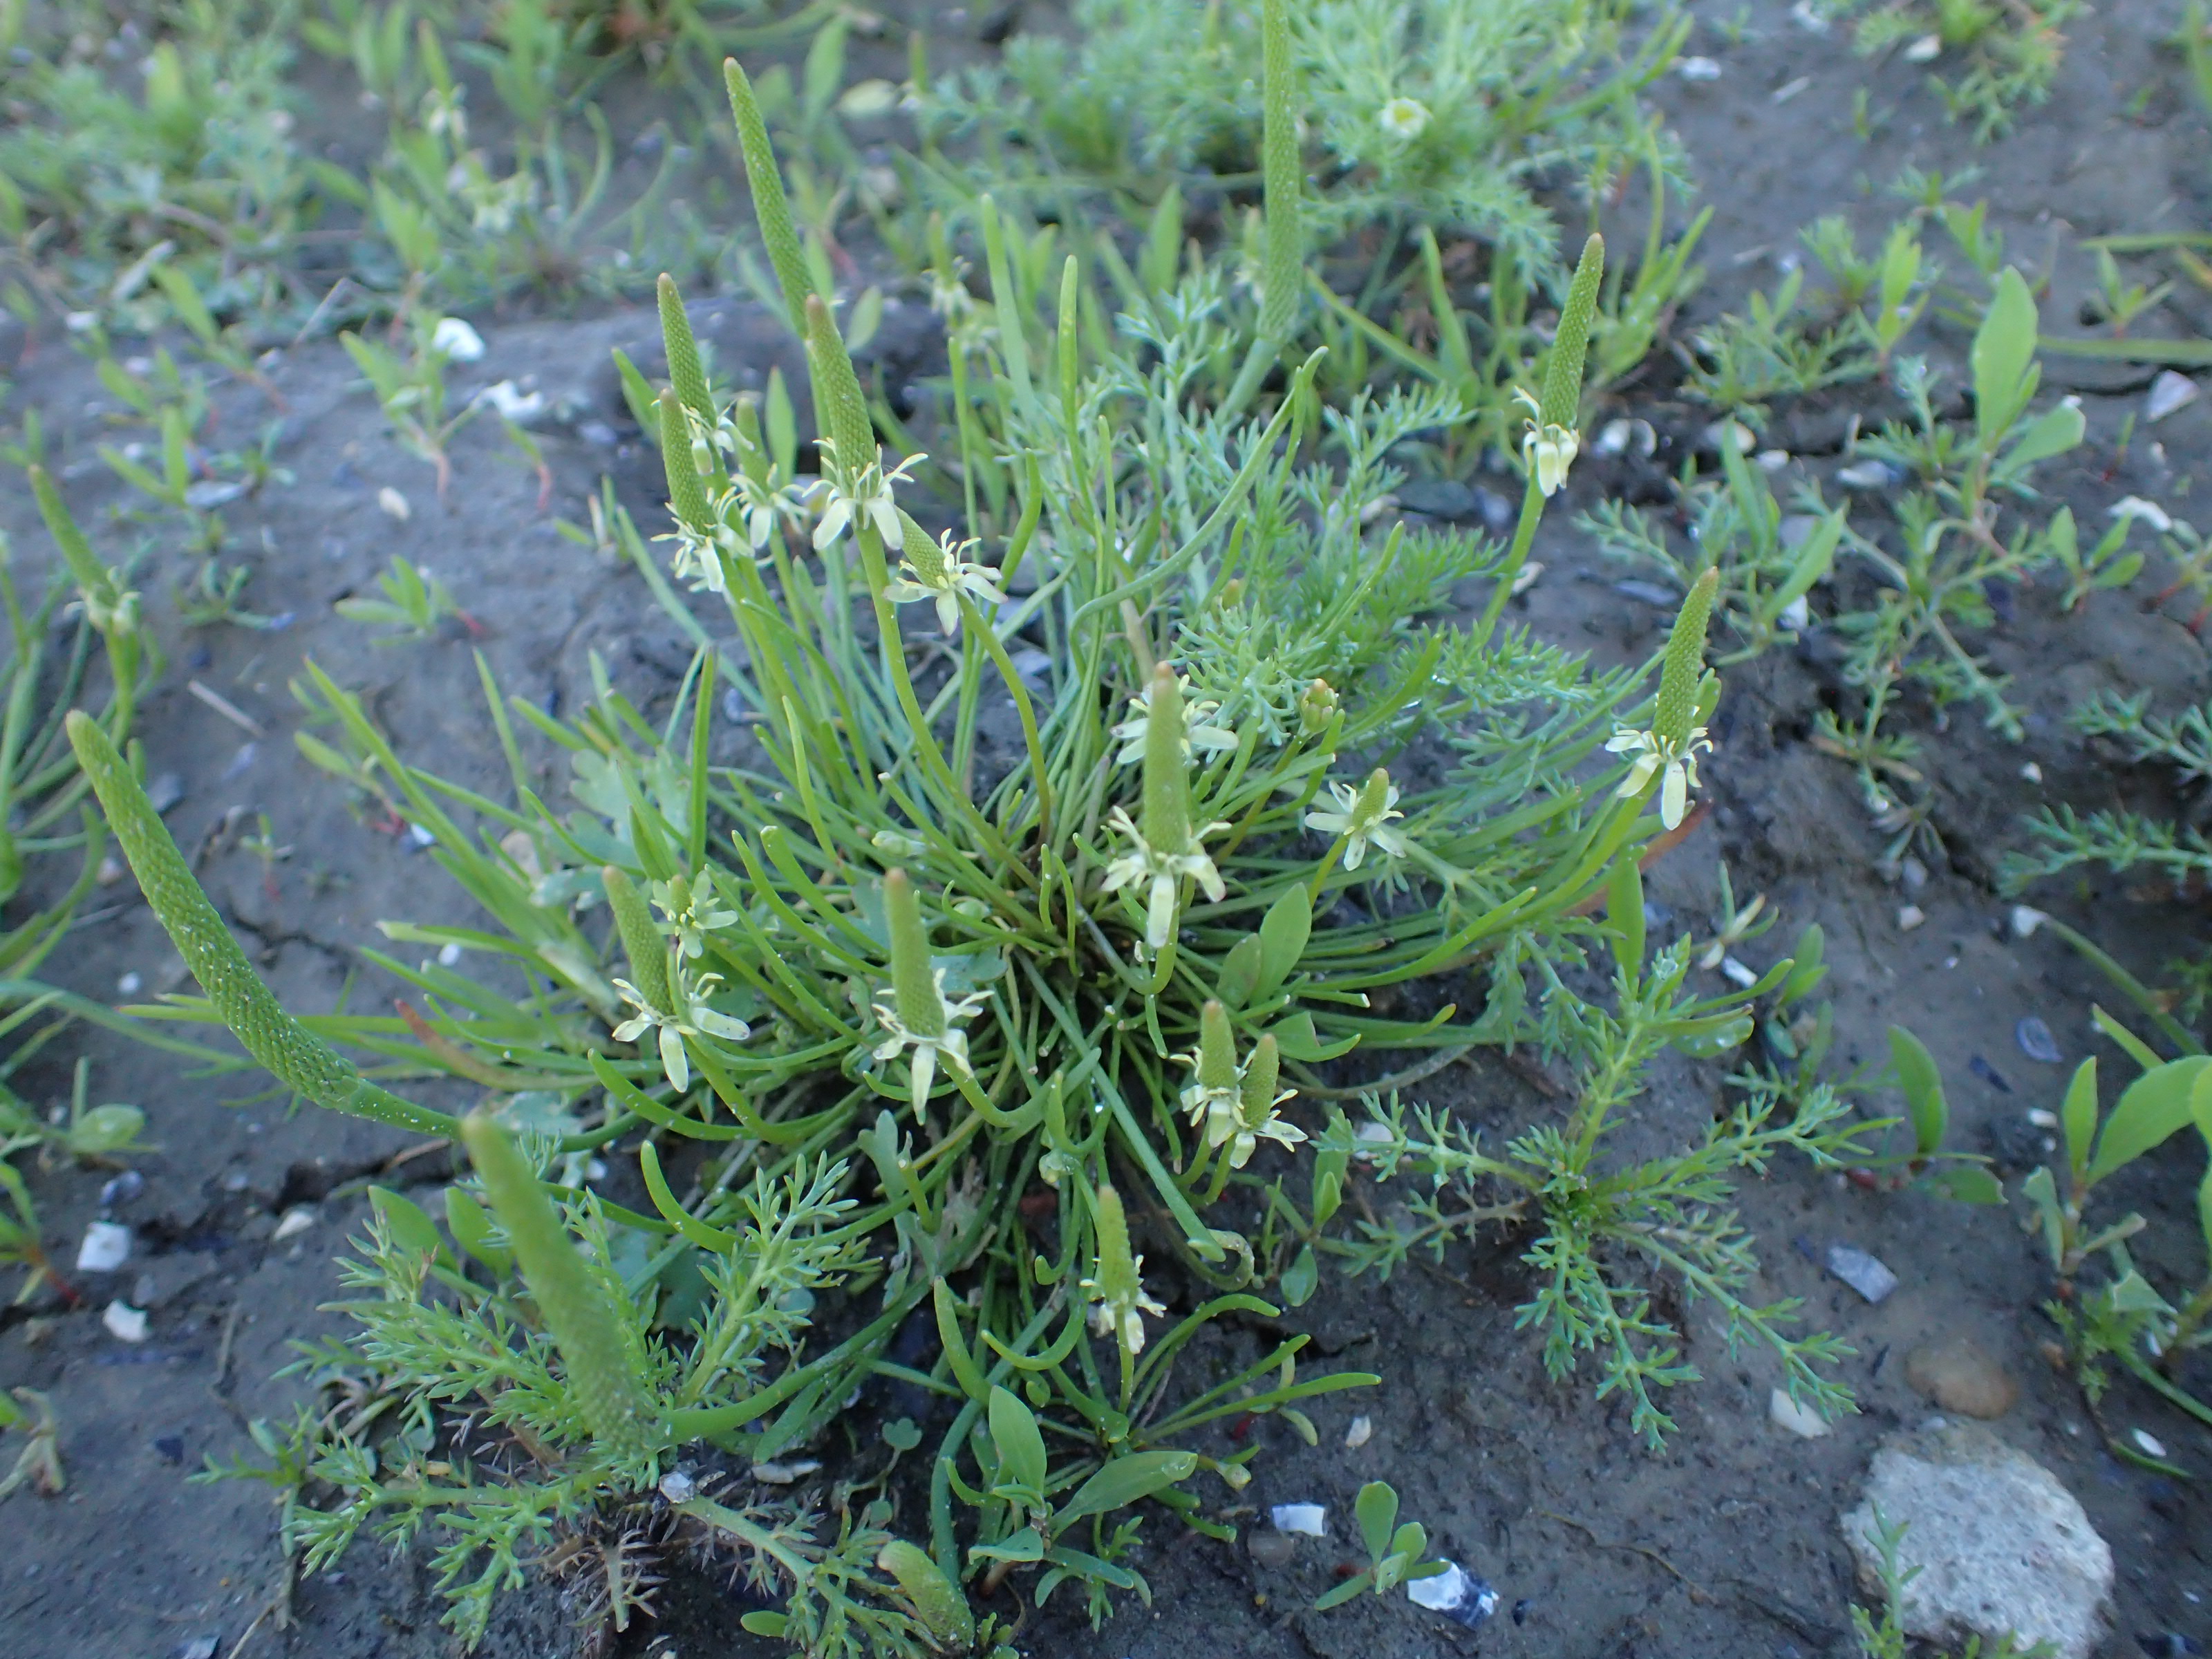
1725	1545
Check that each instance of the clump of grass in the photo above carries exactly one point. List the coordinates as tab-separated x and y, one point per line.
991	957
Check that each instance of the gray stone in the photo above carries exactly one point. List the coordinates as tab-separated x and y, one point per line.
2002	1546
1440	498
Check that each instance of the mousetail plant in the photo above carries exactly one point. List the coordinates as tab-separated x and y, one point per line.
998	954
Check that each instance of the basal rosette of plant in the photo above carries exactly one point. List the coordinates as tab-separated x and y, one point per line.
998	948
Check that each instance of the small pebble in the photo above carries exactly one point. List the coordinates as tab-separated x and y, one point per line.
112	870
1738	974
1789	89
121	1189
129	985
1913	873
2149	1442
1924	49
200	1646
106	1247
2043	1119
394	504
1697	69
1869	1275
171	1448
1772	460
1958	1376
679	1487
2025	919
297	1219
2031	772
1308	1520
1867	475
1361	1431
2168	392
2036	1041
1799	1419
1272	1549
1910	916
420	836
1648	593
125	1323
449	954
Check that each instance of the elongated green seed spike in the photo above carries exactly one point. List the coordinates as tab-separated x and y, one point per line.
84	567
1262	1078
286	1050
937	1600
1217	1048
1116	1278
1683	664
914	986
642	941
687	497
771	208
685	371
1563	375
1285	258
840	410
1167	783
602	1357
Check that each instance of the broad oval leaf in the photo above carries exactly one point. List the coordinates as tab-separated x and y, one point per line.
1024	1546
1922	1085
1240	972
1283	935
1124	1481
1014	1432
2079	1115
1376	1510
2148	1111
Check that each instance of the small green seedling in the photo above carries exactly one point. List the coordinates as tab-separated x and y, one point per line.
415	602
1886	1638
1928	1166
1394	1551
2124	1316
40	1463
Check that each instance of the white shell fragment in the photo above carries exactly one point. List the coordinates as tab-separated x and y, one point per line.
297	1219
1799	1419
1309	1520
125	1323
2134	506
1924	49
2149	1442
1864	1274
1740	974
784	1474
394	504
1697	69
106	1247
512	402
1361	1431
456	341
1455	1593
2170	391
